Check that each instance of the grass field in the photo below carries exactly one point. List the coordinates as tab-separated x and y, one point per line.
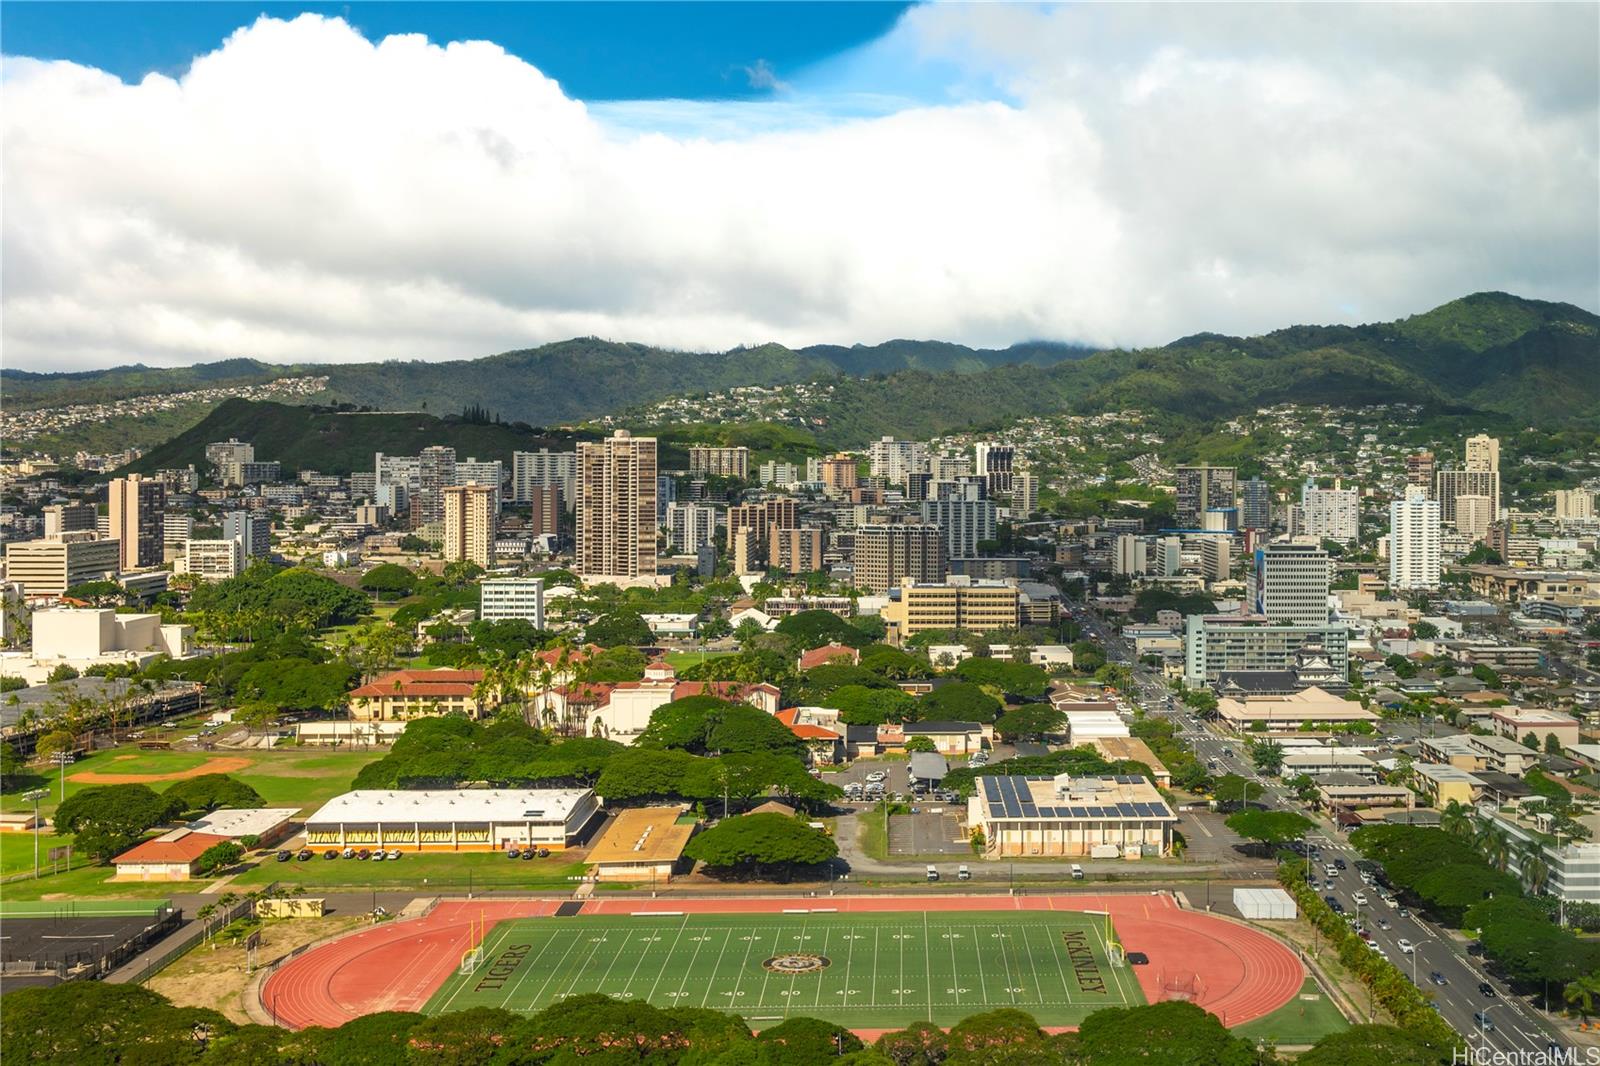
882	971
89	908
285	777
1305	1019
477	870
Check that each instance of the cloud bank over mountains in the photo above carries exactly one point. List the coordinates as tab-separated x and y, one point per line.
1110	174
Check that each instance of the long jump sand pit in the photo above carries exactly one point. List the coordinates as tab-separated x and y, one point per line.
222	764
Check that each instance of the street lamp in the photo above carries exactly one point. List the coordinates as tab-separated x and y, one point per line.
1416	949
35	795
1483	1017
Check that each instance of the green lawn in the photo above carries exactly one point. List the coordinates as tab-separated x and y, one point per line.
304	778
1307	1018
879	970
680	659
431	872
80	908
16	852
92	882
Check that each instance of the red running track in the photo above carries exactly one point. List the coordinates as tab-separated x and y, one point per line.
1235	972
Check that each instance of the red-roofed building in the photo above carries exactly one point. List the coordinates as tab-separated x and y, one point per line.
829	653
169	857
627	712
418	693
819	728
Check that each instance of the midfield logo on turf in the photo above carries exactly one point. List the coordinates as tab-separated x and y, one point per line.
797	963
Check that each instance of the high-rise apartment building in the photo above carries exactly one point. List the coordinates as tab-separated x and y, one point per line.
176	529
838	473
1216	558
763	519
1450	485
691	525
994	463
1570	503
886	555
666	493
1255	505
616	507
780	475
544	510
1024	493
543	469
966	519
1474	514
1330	514
1168	557
1414	541
744	551
719	462
503	598
220	454
469	523
799	549
1290	584
137	505
1129	554
211	560
436	469
896	460
62	518
482	472
253	532
1483	452
1419	470
1202	488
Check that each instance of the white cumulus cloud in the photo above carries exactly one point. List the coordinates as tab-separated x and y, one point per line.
303	193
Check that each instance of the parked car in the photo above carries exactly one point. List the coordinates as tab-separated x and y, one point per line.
331	853
348	853
378	855
364	854
544	853
394	854
305	854
285	855
513	853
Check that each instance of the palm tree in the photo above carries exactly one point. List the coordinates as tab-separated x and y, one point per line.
1582	993
1535	871
1455	820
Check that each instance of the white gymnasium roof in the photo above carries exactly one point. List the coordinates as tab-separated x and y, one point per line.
452	805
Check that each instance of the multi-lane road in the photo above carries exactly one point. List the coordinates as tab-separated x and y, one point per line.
1502	1021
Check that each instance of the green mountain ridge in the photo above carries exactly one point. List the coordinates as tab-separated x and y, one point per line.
1532	360
340	441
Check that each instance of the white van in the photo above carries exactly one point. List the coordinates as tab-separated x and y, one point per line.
933	874
1077	872
962	873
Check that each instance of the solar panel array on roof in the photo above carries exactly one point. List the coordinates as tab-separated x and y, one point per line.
1010	797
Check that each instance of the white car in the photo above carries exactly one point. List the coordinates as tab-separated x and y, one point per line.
1405	947
1360	898
876	776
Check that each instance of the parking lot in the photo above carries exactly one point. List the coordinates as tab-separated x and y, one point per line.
928	833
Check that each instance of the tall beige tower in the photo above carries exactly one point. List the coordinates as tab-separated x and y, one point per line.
136	506
469	523
1483	452
616	507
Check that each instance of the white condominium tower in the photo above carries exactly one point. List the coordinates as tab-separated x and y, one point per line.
1414	541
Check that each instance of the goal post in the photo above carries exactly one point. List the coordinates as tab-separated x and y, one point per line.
471	959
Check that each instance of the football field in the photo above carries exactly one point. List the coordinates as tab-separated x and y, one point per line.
862	970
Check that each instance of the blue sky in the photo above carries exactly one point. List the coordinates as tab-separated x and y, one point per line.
597	51
434	180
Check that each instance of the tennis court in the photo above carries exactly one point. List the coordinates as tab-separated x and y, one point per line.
864	970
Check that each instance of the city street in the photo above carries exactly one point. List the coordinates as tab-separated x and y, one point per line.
1514	1023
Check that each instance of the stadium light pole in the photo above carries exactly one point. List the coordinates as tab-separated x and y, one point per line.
35	795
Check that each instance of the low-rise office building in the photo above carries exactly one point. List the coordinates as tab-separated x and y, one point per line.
1310	705
978	606
1519	723
454	819
1441	784
1092	817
